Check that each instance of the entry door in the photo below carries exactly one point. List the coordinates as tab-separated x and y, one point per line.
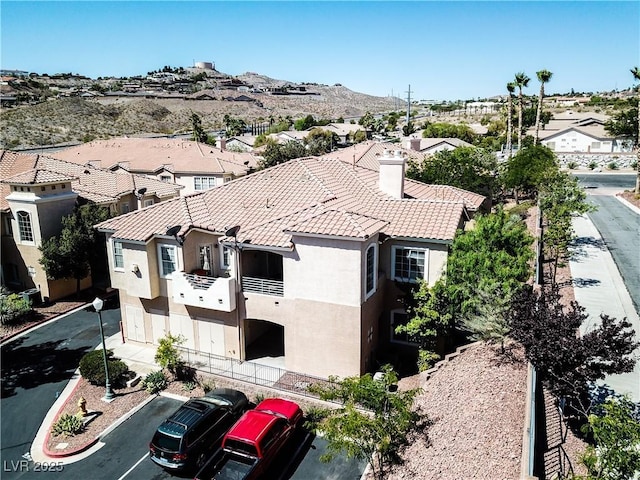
135	323
182	325
211	335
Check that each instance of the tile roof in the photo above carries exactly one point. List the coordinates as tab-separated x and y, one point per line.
308	195
94	184
145	155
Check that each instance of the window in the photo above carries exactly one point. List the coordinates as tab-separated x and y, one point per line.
165	178
203	183
370	279
398	317
124	208
24	227
168	260
408	264
118	255
595	145
148	203
204	257
227	179
225	257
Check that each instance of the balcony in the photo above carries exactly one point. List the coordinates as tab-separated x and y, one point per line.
214	293
263	286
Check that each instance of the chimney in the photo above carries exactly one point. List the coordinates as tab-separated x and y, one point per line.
391	180
414	144
221	143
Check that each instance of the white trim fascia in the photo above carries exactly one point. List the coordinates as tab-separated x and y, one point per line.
328	236
422	240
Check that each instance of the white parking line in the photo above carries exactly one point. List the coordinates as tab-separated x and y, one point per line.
134	466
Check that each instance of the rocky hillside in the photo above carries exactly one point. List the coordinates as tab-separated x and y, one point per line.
61	119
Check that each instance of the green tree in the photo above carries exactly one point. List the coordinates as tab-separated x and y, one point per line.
543	77
521	81
567	363
276	153
469	168
358	136
561	198
304	123
616	433
70	254
378	435
198	133
449	130
320	141
528	168
367	120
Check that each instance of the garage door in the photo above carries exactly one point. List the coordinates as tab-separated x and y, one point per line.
211	334
182	325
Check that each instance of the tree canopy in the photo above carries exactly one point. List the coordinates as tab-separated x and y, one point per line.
449	130
624	124
469	168
528	168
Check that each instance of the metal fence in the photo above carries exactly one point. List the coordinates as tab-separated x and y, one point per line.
252	372
263	286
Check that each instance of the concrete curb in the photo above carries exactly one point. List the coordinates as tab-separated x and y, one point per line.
628	204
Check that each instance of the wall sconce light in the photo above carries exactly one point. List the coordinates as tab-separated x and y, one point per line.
135	268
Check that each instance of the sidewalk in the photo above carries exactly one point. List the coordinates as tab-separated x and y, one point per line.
599	288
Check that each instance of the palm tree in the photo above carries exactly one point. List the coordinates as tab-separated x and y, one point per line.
635	71
521	81
511	87
543	77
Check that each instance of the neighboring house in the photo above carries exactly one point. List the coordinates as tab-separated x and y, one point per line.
581	132
299	262
289	136
433	145
37	191
193	165
242	143
342	130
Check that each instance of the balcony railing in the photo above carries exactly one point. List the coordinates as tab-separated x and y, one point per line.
215	293
263	286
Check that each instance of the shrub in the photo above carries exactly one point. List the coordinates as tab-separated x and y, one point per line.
572	165
207	384
167	354
593	165
67	426
314	417
189	386
612	166
13	308
92	368
154	382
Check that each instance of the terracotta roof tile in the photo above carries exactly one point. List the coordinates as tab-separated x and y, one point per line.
310	195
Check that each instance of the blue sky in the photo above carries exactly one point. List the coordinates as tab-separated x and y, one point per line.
444	50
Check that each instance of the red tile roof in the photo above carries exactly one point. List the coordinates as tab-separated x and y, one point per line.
307	195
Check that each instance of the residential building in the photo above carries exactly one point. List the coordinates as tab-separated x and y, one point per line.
36	191
300	262
429	146
193	165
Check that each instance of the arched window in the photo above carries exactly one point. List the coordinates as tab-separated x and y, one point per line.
24	226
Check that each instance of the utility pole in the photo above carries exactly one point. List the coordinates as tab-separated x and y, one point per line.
409	105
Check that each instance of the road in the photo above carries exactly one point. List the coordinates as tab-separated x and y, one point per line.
35	369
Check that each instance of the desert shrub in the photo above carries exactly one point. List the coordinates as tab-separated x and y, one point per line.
92	368
314	416
593	165
154	382
612	166
207	384
168	355
189	386
67	426
572	165
13	308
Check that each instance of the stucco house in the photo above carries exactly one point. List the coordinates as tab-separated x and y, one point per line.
37	191
429	146
299	262
193	165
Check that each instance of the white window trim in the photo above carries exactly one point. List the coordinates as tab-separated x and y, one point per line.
392	328
211	182
406	247
113	249
222	249
22	240
177	259
368	294
148	202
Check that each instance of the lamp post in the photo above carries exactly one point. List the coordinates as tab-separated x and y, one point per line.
98	303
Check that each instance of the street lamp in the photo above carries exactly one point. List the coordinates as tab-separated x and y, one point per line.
98	303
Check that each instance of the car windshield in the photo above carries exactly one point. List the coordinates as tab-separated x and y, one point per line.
167	442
